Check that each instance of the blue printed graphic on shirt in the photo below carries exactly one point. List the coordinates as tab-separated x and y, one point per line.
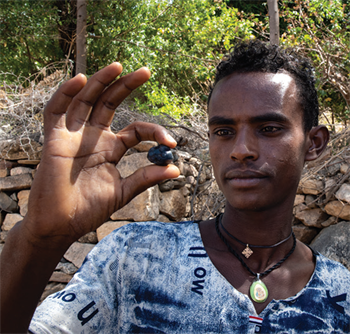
157	278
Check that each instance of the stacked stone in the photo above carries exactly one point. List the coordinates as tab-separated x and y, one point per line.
321	208
166	202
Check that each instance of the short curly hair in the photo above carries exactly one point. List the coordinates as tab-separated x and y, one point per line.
256	56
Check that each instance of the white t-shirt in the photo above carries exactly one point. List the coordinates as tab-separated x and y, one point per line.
157	278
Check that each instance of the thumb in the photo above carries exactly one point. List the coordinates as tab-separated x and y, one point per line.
144	178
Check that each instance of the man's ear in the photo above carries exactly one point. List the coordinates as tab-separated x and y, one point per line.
318	140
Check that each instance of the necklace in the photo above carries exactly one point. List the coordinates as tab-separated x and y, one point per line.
247	252
258	290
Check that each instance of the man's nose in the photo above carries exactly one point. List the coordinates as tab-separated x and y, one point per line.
245	147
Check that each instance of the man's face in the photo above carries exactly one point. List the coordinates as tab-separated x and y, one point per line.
256	139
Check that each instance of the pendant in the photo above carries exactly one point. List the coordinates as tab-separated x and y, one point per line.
258	290
247	252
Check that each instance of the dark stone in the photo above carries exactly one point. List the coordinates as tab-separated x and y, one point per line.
333	242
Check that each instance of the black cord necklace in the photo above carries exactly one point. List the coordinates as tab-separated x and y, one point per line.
247	251
258	290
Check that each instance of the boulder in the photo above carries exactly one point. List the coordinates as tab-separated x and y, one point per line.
145	146
7	204
343	193
312	217
20	170
10	221
89	238
299	199
16	182
338	209
344	168
143	207
109	227
23	201
131	163
304	234
173	205
333	242
311	187
77	252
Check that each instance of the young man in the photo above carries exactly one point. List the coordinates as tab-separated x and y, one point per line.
241	272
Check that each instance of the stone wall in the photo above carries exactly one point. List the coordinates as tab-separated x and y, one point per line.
321	208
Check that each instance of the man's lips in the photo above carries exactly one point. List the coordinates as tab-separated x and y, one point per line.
245	178
244	174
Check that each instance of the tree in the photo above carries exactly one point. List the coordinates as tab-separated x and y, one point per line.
274	21
81	37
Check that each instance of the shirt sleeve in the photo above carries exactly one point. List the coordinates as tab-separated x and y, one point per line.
88	304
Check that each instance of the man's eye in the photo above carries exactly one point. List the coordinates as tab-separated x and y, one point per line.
223	132
270	129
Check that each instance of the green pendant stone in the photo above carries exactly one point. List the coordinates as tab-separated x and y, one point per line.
258	291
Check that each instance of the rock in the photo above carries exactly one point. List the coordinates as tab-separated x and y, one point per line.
311	187
164	219
143	207
329	183
29	162
185	191
191	171
144	146
310	201
10	221
16	182
131	163
333	242
23	201
166	185
304	234
300	207
338	209
4	172
312	217
195	162
344	168
109	227
51	288
89	238
23	148
343	193
60	277
20	170
67	267
191	180
7	204
184	155
179	182
334	166
3	236
77	252
330	221
202	177
173	205
299	199
208	173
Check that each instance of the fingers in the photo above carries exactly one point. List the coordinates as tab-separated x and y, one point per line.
105	107
55	109
144	178
139	131
80	108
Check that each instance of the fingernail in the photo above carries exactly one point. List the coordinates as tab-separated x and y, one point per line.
171	139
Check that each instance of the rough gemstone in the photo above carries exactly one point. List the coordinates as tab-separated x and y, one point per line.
162	155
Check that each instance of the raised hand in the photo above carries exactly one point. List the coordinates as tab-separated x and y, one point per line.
77	186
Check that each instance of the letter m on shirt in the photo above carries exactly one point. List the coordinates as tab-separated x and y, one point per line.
198	286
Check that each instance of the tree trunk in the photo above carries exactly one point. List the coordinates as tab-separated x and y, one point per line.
81	37
274	21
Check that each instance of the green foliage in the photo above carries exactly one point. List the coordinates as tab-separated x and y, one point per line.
321	30
28	36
